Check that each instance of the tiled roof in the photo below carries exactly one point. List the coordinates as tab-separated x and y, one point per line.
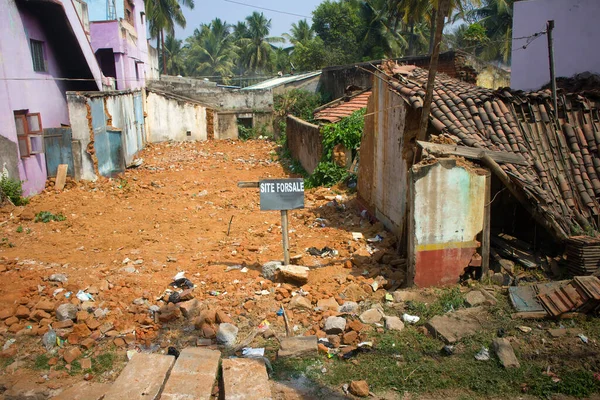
561	180
341	108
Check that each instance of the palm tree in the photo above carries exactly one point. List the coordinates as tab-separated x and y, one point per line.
212	51
496	17
257	44
162	16
175	53
300	32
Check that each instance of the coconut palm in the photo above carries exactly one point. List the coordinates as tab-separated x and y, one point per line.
257	45
300	32
162	16
496	18
212	51
175	56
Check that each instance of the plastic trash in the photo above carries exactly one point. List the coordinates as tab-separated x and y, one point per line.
174	298
8	343
214	293
172	351
83	296
49	339
583	338
280	312
524	329
410	319
179	275
483	355
389	297
183	283
448	350
357	236
251	352
376	239
264	325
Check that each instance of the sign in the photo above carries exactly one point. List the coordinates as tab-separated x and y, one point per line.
281	194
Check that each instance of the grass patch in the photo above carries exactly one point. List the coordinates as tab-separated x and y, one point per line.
47	216
447	300
103	363
19	229
41	362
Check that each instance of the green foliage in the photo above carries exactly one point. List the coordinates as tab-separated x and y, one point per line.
47	216
297	102
327	174
245	133
310	54
448	300
19	229
41	362
348	132
13	190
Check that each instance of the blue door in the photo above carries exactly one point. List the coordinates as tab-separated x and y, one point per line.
139	120
107	144
57	146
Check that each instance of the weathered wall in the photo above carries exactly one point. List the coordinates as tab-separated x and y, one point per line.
576	35
447	204
308	85
386	151
9	157
305	142
81	126
226	126
171	119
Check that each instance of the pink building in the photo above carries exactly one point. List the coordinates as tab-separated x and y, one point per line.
44	52
118	37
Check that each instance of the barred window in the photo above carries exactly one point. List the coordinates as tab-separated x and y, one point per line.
37	55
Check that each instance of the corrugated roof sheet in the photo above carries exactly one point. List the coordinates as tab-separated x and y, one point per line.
274	82
561	180
341	108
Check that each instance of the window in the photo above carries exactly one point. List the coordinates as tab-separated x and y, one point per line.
29	133
37	55
129	12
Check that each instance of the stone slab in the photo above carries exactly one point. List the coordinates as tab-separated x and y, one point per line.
84	391
142	379
193	376
245	379
298	346
505	353
454	326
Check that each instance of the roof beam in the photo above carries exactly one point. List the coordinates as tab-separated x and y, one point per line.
473	153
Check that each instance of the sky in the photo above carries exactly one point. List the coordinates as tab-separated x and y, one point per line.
207	10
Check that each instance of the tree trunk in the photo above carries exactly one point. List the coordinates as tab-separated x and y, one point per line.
432	32
411	39
164	55
159	51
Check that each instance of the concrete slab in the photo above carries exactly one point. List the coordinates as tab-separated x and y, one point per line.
245	379
84	391
505	353
298	346
193	376
142	379
454	326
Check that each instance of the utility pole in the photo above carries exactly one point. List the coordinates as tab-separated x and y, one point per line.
549	29
442	11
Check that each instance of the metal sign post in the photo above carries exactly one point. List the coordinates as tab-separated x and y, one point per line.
283	195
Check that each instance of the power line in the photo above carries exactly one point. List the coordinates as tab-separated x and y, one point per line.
268	9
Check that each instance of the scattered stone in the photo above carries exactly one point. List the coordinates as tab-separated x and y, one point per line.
193	375
348	307
500	279
490	298
62	278
66	311
335	325
269	269
555	333
189	308
88	343
45	305
93	324
404	295
505	353
394	323
222	317
328	304
334	340
454	326
507	265
245	379
22	312
293	273
474	298
354	292
40	315
64	324
169	313
84	391
71	354
81	330
142	378
349	337
82	315
359	388
298	346
300	302
227	334
371	316
85	363
356	325
6	313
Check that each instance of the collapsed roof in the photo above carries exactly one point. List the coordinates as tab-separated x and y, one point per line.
560	180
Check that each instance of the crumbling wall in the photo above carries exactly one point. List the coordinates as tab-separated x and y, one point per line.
385	155
226	125
172	119
9	157
305	142
447	203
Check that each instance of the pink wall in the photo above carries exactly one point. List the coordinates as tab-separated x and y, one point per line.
23	88
576	34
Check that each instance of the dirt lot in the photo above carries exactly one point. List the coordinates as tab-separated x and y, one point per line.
124	239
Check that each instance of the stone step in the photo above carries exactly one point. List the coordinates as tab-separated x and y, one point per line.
84	391
245	379
142	379
193	376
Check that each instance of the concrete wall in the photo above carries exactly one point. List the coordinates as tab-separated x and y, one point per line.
386	152
576	35
226	126
9	158
447	204
305	142
171	119
22	88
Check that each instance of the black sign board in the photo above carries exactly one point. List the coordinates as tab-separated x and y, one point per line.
281	194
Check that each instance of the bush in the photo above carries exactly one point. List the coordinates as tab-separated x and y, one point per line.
348	132
327	174
245	133
13	190
298	103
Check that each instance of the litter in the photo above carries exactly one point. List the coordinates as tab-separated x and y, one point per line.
410	319
324	252
83	296
174	298
483	355
251	352
583	338
524	329
49	339
180	274
182	283
233	268
130	354
264	325
244	270
8	343
376	239
389	297
357	236
280	312
57	291
214	293
448	350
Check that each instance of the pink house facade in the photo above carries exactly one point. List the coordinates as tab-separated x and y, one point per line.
44	52
118	37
